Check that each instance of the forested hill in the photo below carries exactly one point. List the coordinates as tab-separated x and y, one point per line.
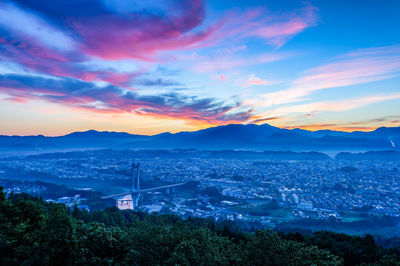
33	232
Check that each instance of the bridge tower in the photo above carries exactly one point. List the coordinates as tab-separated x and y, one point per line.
135	178
135	192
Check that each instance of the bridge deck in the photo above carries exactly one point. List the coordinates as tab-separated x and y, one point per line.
143	190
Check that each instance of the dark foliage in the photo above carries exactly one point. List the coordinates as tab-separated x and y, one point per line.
33	232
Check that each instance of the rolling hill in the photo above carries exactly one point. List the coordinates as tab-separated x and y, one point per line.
234	136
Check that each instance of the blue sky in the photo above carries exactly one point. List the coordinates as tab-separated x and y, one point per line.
153	66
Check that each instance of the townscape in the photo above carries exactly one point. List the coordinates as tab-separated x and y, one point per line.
199	132
265	192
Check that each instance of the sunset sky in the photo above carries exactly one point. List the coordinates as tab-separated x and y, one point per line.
147	67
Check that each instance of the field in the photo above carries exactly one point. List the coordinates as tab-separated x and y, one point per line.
259	208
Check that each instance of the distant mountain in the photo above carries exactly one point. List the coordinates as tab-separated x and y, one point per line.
100	134
370	155
321	133
234	136
86	139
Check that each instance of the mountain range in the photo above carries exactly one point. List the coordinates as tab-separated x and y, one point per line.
233	136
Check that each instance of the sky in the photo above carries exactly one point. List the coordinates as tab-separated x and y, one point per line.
147	67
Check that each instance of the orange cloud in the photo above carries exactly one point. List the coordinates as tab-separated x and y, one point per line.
331	126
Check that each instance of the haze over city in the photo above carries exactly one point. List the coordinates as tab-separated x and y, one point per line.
147	67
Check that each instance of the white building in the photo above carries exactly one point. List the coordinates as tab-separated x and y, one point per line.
295	198
234	193
283	195
125	202
306	205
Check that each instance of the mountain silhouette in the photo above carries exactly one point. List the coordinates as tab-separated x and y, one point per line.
233	136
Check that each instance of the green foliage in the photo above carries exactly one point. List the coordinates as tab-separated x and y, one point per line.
355	250
266	248
33	232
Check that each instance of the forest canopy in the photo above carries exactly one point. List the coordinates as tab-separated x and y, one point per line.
34	232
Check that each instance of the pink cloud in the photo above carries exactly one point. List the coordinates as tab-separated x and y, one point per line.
222	77
37	57
350	69
278	33
135	35
275	29
256	81
142	36
221	63
335	106
363	125
103	34
81	36
111	99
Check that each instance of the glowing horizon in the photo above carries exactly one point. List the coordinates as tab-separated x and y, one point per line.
145	131
171	66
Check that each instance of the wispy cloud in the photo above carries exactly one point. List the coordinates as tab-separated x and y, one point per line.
57	38
25	24
277	30
156	82
253	80
334	106
332	126
110	33
359	67
363	125
392	119
112	99
274	28
260	120
98	56
60	38
289	116
224	63
51	37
